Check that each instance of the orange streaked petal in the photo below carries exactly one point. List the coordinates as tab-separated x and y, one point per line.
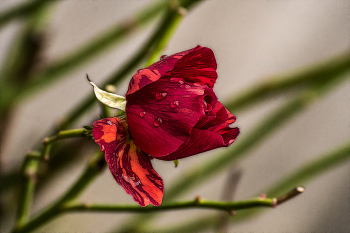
130	166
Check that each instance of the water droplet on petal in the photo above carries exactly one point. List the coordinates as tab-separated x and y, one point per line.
139	71
109	122
142	114
162	57
174	104
187	86
161	95
177	80
157	122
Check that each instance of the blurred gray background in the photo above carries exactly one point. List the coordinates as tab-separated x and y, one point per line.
252	40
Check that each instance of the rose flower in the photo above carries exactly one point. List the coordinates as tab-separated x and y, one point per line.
171	112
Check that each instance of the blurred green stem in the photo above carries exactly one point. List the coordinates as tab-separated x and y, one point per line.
29	175
72	133
274	86
85	53
22	10
94	168
30	170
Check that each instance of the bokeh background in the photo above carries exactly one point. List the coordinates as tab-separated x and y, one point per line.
252	40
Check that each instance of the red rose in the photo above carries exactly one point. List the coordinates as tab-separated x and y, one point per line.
171	113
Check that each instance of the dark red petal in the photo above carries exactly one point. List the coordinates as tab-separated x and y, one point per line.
210	132
203	140
220	118
199	66
130	166
155	71
196	65
162	114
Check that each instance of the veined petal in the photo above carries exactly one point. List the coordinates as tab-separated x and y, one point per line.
130	166
161	115
198	66
203	140
211	132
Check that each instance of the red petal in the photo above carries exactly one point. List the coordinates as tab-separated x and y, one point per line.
130	166
196	65
203	140
199	66
162	114
210	132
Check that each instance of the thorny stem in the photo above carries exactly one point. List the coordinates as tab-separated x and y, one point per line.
95	166
197	203
66	204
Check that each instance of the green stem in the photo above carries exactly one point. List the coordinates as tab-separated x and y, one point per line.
200	204
308	76
302	175
72	133
29	175
21	10
197	203
93	169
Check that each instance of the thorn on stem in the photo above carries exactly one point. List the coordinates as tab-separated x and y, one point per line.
198	199
86	205
274	202
46	140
